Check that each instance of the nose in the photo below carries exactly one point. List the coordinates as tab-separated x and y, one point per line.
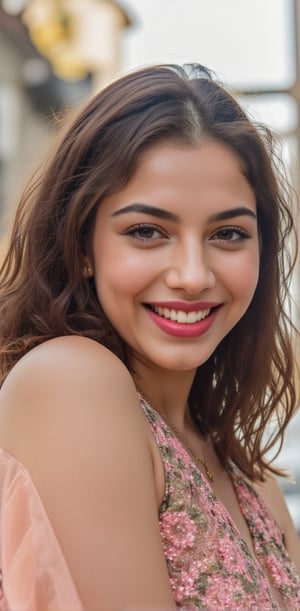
189	268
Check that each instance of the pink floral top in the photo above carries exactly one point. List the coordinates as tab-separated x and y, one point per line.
210	565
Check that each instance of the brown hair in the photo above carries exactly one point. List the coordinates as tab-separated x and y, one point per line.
43	293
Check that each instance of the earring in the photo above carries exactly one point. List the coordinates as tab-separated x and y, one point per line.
87	272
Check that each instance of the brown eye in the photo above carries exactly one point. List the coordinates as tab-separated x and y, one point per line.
227	234
230	234
145	232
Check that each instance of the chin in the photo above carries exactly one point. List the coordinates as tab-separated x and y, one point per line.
180	364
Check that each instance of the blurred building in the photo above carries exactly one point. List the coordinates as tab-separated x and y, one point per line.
54	53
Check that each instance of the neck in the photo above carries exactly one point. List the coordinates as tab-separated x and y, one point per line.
168	393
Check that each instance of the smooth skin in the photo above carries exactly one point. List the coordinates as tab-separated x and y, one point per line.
69	410
145	257
83	438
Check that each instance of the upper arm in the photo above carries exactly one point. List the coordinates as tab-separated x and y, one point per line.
273	496
70	414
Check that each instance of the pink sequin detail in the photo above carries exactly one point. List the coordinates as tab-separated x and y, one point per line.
210	566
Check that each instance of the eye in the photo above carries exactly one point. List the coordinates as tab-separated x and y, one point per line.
230	234
145	232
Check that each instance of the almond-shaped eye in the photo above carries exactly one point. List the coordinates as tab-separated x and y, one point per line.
145	232
230	234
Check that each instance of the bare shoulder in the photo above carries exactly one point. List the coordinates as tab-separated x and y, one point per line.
269	488
63	356
69	412
64	381
271	492
273	496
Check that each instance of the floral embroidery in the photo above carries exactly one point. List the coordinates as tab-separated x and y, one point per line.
210	565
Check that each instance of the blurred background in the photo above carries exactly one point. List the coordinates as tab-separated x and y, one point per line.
54	54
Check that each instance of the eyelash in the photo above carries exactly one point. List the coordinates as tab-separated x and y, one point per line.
134	232
242	233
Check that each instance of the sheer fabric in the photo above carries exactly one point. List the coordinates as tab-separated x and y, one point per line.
34	573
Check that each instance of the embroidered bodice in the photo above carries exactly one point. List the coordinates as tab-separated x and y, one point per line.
210	565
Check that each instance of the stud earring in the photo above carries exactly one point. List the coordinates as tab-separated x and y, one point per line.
87	272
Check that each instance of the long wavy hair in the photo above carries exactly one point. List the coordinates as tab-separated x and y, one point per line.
248	381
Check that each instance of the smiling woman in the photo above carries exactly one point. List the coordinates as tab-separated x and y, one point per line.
200	260
145	347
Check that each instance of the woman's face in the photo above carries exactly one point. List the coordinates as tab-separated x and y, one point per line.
176	254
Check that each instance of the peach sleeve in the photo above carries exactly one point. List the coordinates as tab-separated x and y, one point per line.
35	575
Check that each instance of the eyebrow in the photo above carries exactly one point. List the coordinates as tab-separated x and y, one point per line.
151	210
170	216
231	213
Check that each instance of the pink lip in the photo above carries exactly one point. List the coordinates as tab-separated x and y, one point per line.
184	306
182	329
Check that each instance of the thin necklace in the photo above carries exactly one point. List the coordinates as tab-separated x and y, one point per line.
196	458
201	461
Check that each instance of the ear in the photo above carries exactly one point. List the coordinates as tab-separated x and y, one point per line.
88	271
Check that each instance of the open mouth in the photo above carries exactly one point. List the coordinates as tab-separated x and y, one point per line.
186	318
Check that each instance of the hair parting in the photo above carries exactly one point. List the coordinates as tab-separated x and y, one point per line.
249	380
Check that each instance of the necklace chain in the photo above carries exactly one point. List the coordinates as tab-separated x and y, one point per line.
202	461
196	458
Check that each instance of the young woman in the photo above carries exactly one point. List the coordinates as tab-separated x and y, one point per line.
144	351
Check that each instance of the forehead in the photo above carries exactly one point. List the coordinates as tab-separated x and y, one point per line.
191	182
204	157
175	172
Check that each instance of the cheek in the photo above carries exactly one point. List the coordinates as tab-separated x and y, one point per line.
245	279
125	270
117	276
240	275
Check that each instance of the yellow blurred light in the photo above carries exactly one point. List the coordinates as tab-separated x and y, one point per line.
45	36
51	29
68	67
78	37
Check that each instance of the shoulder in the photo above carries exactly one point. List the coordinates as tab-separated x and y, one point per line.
66	384
63	356
273	496
70	414
55	363
271	492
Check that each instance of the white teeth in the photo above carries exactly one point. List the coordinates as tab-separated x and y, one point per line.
181	316
191	317
173	315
